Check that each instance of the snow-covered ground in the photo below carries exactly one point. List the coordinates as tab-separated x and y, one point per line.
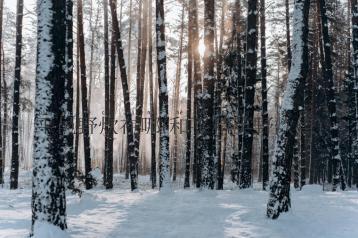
120	213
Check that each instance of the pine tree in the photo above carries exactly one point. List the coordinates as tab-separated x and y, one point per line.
16	99
48	190
331	101
250	81
163	98
279	200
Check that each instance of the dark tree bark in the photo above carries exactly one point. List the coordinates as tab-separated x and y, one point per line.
48	189
189	103
106	182
193	16
164	175
296	172
288	34
133	162
14	174
250	81
331	101
67	108
85	117
2	158
264	112
153	106
207	139
279	200
355	80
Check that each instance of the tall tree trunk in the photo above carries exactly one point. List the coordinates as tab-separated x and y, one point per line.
163	98
48	189
133	162
279	200
153	112
355	81
2	158
67	108
85	117
331	101
111	115
16	99
176	101
193	15
217	101
106	182
288	33
207	99
250	81
189	104
77	120
264	112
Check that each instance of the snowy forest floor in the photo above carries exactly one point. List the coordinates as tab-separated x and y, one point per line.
119	213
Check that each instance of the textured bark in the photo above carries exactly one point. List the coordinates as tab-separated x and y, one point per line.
264	112
190	65
279	200
207	99
355	81
14	173
106	88
336	160
67	107
250	81
164	175
85	116
153	106
48	189
2	158
133	162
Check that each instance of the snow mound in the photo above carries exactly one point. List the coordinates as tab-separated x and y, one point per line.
47	230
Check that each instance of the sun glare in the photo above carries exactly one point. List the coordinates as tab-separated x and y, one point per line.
201	48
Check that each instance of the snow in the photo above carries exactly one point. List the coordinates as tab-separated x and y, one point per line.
192	213
44	229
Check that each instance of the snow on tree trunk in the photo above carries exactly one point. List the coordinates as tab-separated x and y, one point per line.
2	158
163	98
250	81
16	99
133	162
264	113
48	189
207	99
67	107
355	81
279	200
336	159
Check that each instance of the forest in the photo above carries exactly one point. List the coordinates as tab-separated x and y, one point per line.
178	118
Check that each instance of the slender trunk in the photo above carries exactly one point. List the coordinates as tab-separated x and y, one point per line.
288	34
2	158
176	106
85	117
163	97
264	112
77	121
16	99
279	200
153	113
133	162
